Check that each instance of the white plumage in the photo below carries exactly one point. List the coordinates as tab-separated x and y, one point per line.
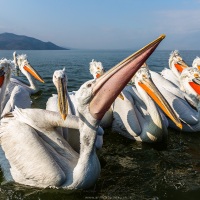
71	135
96	69
176	66
15	97
186	105
138	116
22	64
196	63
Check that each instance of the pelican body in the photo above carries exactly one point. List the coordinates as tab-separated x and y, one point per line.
140	116
185	103
53	104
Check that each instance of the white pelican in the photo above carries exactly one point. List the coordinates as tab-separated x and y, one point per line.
32	153
24	66
5	74
18	92
138	116
16	70
53	104
196	63
96	69
185	104
17	97
176	66
189	81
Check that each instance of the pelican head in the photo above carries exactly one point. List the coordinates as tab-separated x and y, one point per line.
196	63
60	81
96	69
143	79
176	63
190	80
16	70
100	93
5	74
144	68
25	67
5	71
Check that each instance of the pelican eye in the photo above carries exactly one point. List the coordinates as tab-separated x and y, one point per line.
89	85
2	72
144	76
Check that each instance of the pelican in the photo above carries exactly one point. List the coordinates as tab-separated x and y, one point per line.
185	104
139	116
5	74
96	69
16	70
54	104
17	97
176	66
196	63
189	81
18	92
24	66
32	153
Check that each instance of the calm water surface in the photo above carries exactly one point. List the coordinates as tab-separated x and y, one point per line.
130	170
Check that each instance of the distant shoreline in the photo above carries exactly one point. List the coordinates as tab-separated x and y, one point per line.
10	41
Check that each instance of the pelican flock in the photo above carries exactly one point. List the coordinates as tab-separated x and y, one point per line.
56	146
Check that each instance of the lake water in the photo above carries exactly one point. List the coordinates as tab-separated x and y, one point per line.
130	170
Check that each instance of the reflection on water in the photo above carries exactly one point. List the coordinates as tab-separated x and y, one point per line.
130	170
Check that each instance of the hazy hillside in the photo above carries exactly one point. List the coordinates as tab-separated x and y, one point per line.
10	41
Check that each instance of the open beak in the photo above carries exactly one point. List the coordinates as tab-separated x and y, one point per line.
108	86
33	72
181	65
195	84
120	95
62	98
1	77
150	88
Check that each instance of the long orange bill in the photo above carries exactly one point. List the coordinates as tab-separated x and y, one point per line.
180	66
108	86
159	99
195	85
33	72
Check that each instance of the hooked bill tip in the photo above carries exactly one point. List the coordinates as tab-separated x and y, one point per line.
180	126
162	36
63	116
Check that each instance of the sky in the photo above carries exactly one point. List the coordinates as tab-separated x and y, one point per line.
105	24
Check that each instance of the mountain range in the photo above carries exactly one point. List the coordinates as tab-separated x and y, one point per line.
10	41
